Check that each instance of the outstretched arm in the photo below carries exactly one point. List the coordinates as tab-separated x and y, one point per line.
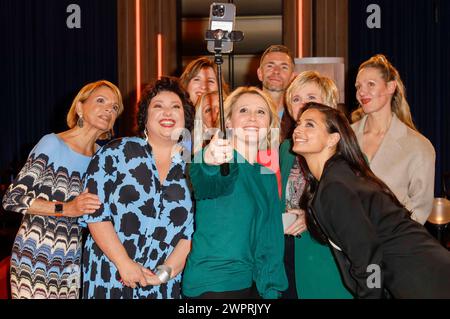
205	173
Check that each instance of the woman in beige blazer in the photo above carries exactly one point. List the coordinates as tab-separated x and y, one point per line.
397	153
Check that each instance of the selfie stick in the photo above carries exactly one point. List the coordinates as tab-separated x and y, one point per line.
219	36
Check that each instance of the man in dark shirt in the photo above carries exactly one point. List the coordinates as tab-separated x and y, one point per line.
276	71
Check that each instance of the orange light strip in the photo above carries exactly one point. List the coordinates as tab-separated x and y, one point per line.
138	50
160	54
300	28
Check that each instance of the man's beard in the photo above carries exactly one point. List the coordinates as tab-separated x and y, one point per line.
273	88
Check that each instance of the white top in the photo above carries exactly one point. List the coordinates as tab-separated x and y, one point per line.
405	161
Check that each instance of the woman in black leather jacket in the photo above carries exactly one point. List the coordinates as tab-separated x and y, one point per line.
379	248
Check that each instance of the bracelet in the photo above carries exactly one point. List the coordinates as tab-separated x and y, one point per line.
164	273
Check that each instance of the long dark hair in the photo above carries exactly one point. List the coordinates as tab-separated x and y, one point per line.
348	150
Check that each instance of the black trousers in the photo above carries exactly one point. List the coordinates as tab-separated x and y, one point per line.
289	265
247	293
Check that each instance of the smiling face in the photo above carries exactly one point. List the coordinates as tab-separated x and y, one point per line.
309	92
250	118
311	135
275	71
165	114
204	81
100	109
372	91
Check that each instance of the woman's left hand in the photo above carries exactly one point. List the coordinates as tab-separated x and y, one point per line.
153	280
299	226
150	277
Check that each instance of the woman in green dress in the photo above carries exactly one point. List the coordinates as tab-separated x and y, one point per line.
237	246
311	269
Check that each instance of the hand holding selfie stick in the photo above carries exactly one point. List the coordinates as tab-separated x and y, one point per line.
219	36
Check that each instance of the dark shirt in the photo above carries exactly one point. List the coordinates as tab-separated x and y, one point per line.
287	127
369	231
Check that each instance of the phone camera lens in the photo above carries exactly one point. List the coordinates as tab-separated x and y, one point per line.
218	11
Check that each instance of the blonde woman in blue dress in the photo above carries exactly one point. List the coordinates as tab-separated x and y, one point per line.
45	261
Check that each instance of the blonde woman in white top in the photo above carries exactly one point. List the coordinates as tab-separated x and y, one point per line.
397	153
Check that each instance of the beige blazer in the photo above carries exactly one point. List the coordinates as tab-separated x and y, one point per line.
405	161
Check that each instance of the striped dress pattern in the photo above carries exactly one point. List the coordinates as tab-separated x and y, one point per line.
45	259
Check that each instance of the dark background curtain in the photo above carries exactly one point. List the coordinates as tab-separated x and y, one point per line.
43	64
415	36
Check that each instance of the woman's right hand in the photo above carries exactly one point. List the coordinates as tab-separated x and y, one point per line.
218	151
299	225
85	203
132	273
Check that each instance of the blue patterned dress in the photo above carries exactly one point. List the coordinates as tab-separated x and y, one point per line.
45	261
149	218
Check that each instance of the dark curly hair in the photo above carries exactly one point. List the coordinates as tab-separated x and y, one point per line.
165	84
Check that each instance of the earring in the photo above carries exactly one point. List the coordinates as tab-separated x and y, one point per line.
146	136
80	122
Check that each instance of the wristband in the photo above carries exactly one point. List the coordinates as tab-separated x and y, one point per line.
59	210
164	273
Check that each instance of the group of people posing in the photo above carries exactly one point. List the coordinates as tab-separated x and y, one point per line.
311	206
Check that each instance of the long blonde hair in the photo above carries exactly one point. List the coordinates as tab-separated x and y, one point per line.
199	133
200	104
389	73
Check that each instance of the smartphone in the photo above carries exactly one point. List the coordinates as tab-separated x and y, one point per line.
222	16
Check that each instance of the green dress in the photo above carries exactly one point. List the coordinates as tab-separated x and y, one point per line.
316	273
238	236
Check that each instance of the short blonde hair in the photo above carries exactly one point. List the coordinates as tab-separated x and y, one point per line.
274	126
84	94
330	92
